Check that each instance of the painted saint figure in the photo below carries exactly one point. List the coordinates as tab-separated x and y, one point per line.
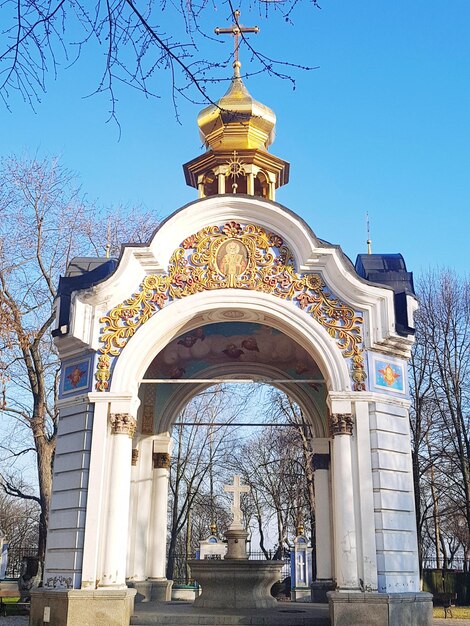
233	263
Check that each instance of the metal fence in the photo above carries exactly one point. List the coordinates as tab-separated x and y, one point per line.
15	557
455	564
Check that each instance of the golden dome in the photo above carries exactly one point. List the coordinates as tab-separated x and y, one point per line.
237	121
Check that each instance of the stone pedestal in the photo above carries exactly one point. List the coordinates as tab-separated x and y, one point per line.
152	590
161	590
143	590
380	609
236	543
319	589
80	607
235	584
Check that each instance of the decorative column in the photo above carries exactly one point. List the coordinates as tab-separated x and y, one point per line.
123	428
344	522
250	184
161	587
323	549
200	186
221	182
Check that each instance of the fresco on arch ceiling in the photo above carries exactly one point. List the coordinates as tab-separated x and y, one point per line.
232	342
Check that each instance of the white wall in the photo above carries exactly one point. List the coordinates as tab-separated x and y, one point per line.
69	496
397	552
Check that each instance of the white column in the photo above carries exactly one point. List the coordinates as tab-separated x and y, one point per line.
365	498
115	550
321	464
159	515
140	518
95	519
344	522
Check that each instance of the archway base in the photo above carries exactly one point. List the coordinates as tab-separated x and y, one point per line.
380	609
82	607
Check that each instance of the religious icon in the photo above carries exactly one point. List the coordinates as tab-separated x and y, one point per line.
389	376
75	377
232	260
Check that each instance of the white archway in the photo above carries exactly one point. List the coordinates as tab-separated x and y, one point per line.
171	320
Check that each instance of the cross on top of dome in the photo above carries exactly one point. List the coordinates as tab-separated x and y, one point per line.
237	131
236	30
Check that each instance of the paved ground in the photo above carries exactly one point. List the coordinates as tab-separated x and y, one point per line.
184	614
23	621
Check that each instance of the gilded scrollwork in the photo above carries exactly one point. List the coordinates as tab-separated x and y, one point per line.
358	372
232	256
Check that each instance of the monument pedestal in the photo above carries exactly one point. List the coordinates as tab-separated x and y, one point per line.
235	584
380	609
81	607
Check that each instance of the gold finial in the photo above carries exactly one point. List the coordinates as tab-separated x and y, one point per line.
213	528
235	169
369	241
236	30
300	529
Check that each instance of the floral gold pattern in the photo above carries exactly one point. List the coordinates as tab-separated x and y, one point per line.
266	265
358	373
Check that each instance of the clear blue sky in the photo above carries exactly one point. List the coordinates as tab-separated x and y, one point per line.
382	126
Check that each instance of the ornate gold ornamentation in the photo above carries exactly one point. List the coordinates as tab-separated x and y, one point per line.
358	373
341	424
122	424
147	420
235	170
231	256
103	373
161	460
135	457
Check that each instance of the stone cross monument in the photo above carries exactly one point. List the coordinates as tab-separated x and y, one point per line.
237	489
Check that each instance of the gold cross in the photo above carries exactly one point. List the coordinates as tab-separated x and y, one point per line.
236	30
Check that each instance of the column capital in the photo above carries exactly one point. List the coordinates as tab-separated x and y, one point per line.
341	424
122	424
161	460
321	461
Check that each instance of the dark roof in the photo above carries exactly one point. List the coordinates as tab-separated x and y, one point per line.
390	270
81	273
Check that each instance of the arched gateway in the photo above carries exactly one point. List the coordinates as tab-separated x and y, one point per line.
231	265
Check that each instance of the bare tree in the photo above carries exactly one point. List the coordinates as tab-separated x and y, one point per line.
275	468
440	416
201	452
18	522
44	221
144	46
